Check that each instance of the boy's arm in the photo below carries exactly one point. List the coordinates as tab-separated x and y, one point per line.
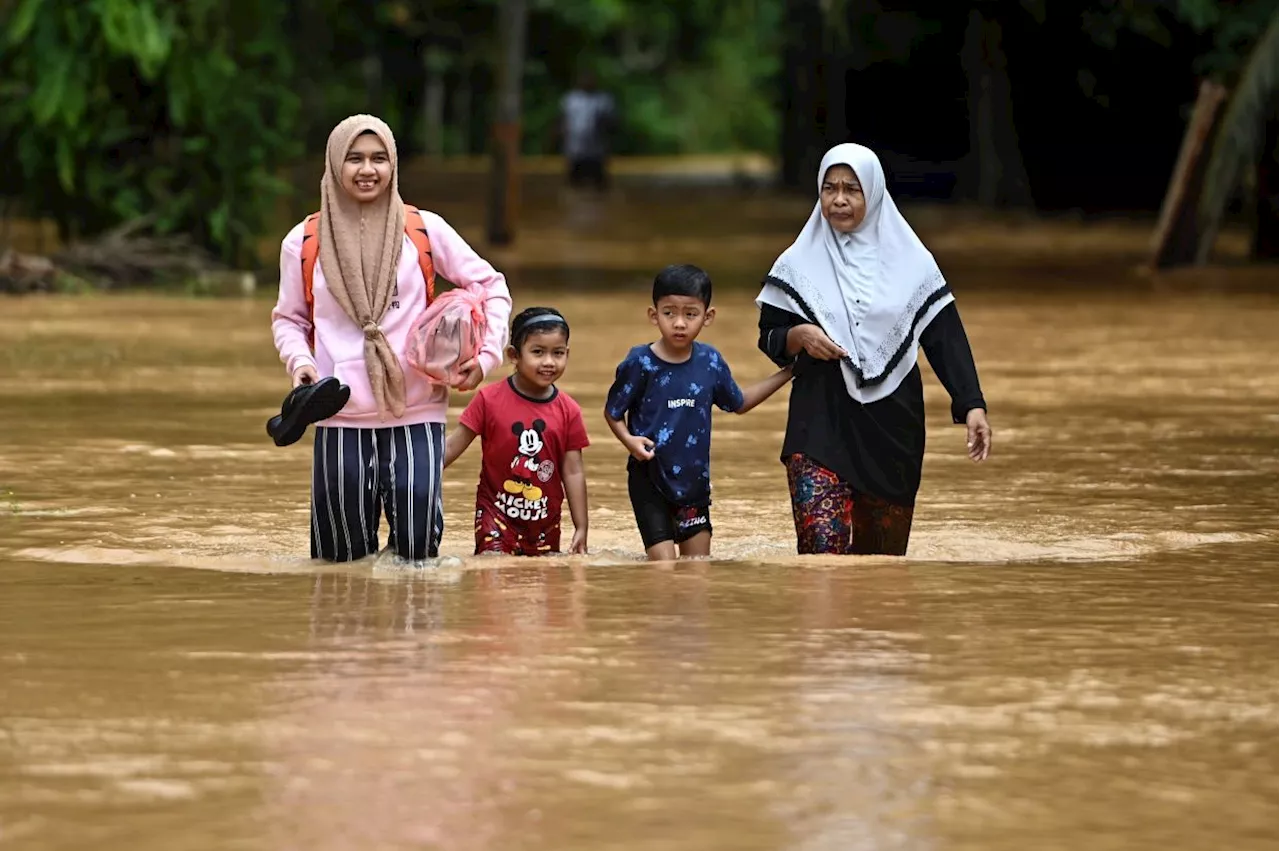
628	387
761	390
456	443
641	448
575	488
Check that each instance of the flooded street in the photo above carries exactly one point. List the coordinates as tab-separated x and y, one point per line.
1078	652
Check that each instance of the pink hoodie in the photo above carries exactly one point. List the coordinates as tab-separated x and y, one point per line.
340	342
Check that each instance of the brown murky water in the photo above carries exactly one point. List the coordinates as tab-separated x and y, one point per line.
1079	651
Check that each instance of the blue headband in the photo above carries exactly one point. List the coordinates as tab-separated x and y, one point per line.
539	319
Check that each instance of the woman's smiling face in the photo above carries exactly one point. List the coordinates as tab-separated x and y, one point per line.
366	171
843	204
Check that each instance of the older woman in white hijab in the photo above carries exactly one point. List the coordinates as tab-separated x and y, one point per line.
849	304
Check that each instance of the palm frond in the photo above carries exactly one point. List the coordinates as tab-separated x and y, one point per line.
1239	137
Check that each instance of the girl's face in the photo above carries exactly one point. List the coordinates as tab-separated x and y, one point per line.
843	204
366	172
542	358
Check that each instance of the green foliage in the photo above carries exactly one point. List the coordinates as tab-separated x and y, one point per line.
1238	141
185	114
866	33
180	113
1240	50
1229	29
692	77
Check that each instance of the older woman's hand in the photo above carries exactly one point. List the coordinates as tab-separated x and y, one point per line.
812	339
979	435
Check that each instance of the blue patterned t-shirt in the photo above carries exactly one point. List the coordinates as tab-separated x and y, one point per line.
670	403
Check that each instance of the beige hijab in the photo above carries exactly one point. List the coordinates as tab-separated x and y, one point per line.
360	253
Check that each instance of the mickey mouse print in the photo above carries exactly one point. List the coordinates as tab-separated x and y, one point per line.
529	471
521	493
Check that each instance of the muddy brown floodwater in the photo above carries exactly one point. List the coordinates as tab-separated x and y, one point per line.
1078	652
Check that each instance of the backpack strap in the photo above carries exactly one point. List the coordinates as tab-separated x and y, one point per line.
310	251
414	227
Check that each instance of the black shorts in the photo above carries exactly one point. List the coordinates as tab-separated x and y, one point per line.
588	171
659	518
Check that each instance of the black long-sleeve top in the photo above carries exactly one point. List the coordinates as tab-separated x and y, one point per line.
878	447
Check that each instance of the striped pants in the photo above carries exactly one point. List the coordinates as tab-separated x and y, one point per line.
357	472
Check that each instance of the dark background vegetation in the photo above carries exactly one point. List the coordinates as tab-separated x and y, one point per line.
188	115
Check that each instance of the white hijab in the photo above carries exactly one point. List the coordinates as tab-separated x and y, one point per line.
873	291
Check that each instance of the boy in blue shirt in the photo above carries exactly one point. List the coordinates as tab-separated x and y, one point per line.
659	408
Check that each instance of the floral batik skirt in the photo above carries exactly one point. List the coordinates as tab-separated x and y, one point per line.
834	519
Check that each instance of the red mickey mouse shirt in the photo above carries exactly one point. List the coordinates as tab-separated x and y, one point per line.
523	442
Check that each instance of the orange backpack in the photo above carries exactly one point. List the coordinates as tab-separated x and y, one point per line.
414	228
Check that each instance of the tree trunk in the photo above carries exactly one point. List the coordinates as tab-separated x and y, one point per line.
835	79
504	174
994	175
803	95
462	109
1176	236
371	69
1266	225
433	103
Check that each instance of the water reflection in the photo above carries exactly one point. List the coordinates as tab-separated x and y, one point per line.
862	781
708	705
512	707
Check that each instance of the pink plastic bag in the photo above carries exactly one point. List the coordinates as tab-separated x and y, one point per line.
447	334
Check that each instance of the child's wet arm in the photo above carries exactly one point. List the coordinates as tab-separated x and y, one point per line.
628	387
575	488
753	395
618	427
291	318
456	443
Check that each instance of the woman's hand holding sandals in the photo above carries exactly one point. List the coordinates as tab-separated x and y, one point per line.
305	375
814	341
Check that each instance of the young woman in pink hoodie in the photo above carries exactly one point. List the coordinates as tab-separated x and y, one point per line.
348	298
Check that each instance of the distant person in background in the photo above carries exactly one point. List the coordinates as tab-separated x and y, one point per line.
586	123
849	305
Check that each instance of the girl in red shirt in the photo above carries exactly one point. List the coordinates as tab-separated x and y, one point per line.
532	436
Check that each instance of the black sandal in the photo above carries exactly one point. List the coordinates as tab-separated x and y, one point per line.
307	404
